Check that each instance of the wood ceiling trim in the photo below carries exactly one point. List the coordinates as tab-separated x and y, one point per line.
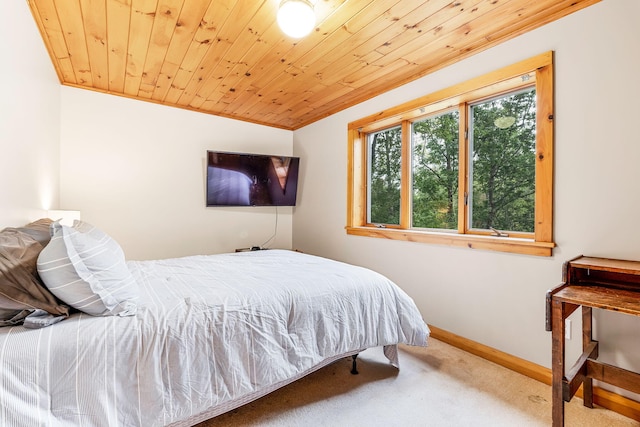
52	36
118	43
72	25
141	20
236	57
186	27
379	84
229	58
203	41
95	33
261	59
317	62
228	33
164	26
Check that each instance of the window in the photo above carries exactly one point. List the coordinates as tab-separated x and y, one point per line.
385	149
471	165
502	143
434	171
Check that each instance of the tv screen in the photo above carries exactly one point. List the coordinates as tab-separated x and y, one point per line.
243	179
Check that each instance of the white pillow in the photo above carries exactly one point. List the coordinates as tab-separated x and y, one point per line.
86	269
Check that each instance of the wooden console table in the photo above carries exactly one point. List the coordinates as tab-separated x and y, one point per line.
589	282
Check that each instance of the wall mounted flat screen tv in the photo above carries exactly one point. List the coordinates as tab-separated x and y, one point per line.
243	179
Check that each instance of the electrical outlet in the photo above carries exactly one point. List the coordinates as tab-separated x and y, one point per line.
567	329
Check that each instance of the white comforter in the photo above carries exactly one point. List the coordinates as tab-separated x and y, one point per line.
211	333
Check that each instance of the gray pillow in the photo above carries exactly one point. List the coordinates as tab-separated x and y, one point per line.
86	269
21	290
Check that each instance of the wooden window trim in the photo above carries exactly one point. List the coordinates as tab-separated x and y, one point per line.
506	79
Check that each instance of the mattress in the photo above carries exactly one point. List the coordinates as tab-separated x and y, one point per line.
211	333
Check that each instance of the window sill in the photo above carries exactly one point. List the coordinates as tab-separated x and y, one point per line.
501	244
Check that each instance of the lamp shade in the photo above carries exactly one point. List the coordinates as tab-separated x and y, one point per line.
296	18
65	217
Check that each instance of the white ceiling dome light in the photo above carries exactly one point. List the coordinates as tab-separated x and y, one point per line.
296	18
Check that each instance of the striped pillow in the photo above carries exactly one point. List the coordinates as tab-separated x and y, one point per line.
86	269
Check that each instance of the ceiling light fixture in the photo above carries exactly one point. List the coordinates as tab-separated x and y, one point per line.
296	18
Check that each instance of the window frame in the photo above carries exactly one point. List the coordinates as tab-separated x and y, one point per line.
504	80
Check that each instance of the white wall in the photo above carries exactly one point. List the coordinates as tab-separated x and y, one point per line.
29	119
137	170
495	298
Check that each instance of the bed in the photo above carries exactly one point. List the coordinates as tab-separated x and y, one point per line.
201	335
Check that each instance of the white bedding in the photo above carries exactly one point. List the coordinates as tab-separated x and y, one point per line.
211	333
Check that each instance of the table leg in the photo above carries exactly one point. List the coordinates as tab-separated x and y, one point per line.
587	338
557	363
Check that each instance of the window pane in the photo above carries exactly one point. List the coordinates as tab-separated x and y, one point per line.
385	152
435	172
503	143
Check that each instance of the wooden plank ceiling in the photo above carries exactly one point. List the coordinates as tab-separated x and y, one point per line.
229	58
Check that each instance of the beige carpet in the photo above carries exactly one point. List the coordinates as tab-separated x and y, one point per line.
436	386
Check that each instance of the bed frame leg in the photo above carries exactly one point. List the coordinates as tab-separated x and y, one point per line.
354	370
